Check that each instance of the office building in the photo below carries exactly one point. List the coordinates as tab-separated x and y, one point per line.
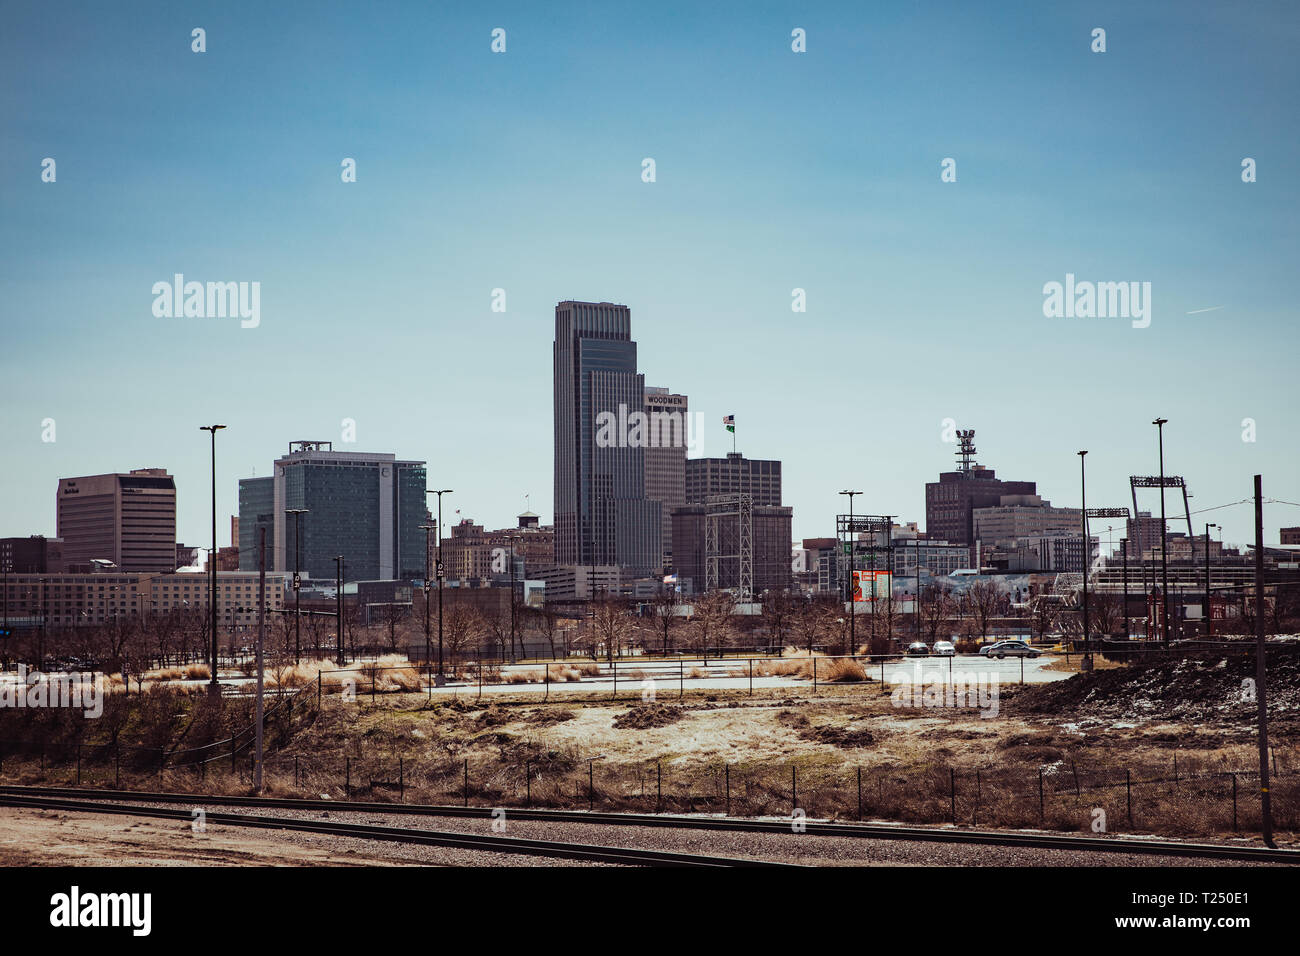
759	478
367	507
602	514
128	519
668	422
33	555
951	502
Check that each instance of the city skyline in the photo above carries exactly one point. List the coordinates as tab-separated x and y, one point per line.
924	298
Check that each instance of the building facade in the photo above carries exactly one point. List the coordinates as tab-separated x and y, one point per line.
758	477
602	514
665	458
951	502
128	519
364	506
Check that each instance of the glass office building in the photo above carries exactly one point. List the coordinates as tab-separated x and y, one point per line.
366	507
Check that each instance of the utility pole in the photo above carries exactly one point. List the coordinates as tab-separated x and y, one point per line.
1123	548
853	607
213	687
441	678
1164	562
1086	664
1209	626
297	584
428	648
512	597
338	595
261	640
1265	806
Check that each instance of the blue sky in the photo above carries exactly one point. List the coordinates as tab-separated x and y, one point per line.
775	170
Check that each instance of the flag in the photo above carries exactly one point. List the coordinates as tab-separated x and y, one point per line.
730	422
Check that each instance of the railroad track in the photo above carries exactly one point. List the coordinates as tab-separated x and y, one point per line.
466	841
1142	846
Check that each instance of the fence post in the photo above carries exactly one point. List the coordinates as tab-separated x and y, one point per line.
1040	793
547	696
528	784
318	683
727	773
232	753
814	660
1075	770
659	785
615	664
295	770
979	793
681	678
347	776
751	677
794	790
1234	802
374	675
401	781
78	763
162	762
467	781
859	793
1128	794
117	766
952	793
591	785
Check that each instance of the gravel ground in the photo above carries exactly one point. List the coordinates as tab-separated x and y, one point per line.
803	849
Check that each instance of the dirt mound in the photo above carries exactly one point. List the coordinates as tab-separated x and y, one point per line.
548	718
1206	687
846	737
642	716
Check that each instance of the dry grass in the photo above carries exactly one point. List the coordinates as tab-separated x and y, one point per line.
525	676
841	670
695	673
197	672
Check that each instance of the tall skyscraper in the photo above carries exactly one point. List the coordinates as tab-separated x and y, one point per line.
366	507
668	432
602	514
129	519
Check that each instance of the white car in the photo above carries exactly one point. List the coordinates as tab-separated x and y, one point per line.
944	649
1008	649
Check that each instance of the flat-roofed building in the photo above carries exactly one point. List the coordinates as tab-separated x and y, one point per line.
126	518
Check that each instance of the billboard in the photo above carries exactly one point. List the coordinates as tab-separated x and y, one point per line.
872	585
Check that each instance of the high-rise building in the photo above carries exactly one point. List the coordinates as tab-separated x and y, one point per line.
602	514
758	477
668	434
128	519
367	507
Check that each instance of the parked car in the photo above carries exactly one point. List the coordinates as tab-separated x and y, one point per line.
918	649
1002	649
944	649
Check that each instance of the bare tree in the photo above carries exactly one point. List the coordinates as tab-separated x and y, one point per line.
711	620
937	610
779	609
984	598
612	625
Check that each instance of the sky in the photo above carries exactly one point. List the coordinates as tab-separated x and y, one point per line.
775	170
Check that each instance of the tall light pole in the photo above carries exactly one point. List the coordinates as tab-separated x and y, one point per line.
1164	563
853	607
297	585
1209	627
441	574
213	687
1087	557
338	598
428	648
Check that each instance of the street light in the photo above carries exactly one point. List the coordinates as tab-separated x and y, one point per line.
441	574
213	687
1164	563
853	608
1087	557
338	595
297	600
428	649
1209	627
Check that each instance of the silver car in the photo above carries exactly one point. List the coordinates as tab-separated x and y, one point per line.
1008	649
944	649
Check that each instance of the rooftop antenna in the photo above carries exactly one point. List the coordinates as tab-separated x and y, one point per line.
966	450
